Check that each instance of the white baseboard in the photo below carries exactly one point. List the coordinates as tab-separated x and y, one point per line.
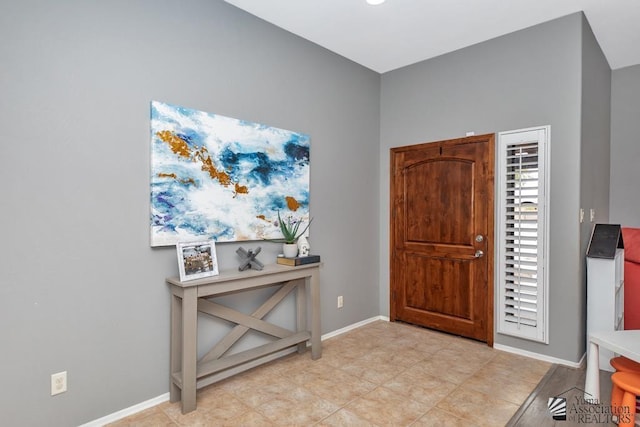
165	397
542	357
352	327
128	411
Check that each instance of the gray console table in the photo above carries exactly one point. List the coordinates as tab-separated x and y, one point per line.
188	298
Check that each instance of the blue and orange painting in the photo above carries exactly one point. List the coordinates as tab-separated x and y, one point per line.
219	178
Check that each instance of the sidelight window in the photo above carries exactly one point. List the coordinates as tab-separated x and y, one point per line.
522	233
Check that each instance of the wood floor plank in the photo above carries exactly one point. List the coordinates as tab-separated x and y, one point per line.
562	381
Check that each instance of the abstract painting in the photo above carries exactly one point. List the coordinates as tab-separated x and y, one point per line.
223	179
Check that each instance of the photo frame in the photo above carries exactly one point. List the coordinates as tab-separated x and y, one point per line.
197	259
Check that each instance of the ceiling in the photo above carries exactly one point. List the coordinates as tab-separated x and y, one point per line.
402	32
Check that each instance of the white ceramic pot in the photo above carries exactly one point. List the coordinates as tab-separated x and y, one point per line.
290	250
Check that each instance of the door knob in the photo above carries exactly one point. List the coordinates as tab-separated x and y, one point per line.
479	254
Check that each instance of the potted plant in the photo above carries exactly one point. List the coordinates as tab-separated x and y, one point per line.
290	231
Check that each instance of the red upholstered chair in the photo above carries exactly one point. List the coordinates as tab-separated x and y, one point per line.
631	237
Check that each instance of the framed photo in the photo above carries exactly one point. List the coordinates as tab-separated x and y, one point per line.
197	259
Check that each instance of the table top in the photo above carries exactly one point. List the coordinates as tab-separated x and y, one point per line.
626	343
235	274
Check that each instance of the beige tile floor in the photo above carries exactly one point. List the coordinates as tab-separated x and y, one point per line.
382	374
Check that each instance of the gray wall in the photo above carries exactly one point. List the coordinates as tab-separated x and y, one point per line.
625	147
524	79
594	152
82	290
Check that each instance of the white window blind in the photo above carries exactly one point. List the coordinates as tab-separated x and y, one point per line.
522	200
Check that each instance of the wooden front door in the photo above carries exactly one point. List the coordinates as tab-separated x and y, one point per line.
442	235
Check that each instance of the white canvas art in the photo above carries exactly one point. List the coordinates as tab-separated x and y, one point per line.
223	179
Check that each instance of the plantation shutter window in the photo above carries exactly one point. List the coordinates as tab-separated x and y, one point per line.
522	200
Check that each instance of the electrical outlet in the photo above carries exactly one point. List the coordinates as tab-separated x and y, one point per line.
340	301
58	383
581	215
592	214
